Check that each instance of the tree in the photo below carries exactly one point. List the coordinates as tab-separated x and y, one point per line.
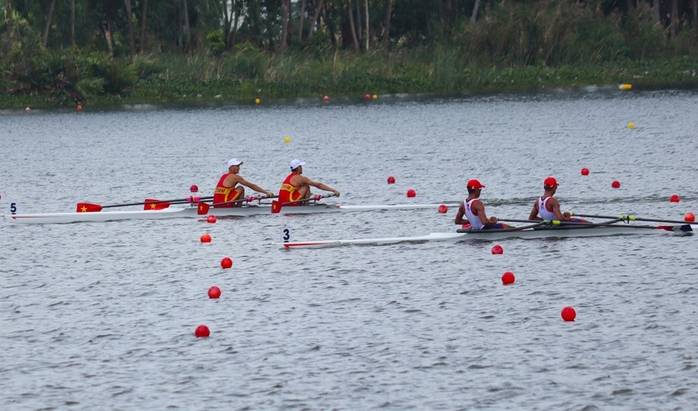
144	30
129	21
49	16
388	12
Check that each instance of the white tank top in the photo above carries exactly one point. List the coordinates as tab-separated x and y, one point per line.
474	220
543	211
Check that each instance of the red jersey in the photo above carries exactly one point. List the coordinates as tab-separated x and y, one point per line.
224	194
288	192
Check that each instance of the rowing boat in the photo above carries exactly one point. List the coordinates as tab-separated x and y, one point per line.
541	231
191	211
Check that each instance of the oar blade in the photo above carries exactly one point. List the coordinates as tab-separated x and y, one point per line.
202	208
684	228
88	208
154	204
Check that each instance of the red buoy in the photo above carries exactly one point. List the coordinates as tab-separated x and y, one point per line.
411	193
194	188
568	314
391	180
497	249
214	292
615	184
368	97
202	331
226	262
689	217
508	278
211	219
79	107
585	171
674	198
326	98
205	238
443	209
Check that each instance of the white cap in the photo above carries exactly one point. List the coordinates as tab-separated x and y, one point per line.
234	162
296	163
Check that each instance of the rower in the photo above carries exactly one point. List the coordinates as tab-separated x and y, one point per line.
296	187
230	186
474	211
547	207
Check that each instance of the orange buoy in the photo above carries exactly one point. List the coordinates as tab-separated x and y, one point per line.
226	262
689	217
391	180
206	238
615	184
202	331
443	209
211	218
411	193
497	249
568	314
214	292
585	171
508	278
674	198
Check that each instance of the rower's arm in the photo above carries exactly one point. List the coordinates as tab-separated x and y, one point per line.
255	187
459	216
555	205
534	213
322	186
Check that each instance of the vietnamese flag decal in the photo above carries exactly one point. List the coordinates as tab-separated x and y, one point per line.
151	204
275	207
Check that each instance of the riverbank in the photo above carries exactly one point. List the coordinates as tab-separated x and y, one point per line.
192	79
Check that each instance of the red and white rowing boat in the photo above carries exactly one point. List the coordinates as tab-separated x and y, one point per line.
192	211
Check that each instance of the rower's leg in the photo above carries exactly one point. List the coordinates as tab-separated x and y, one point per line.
240	190
304	194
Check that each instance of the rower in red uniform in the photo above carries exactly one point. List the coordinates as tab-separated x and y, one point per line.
474	211
230	186
297	187
547	207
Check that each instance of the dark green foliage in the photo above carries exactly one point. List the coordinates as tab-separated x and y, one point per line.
434	47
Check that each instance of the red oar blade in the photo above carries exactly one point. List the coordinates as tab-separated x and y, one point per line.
202	208
275	207
685	227
88	208
154	204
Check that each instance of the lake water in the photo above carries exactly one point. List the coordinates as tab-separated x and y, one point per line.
102	315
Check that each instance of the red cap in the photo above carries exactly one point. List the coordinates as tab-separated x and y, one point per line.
473	184
550	182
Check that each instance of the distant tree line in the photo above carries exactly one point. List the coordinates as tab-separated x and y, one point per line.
130	27
70	50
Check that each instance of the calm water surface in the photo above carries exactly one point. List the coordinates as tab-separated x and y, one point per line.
102	315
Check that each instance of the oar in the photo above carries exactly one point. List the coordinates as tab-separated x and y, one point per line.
89	207
277	205
155	204
628	218
204	207
506	230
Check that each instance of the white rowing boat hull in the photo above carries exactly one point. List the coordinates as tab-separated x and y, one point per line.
178	212
494	235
